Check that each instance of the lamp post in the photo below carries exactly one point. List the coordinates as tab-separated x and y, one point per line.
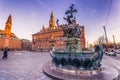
61	45
58	45
105	35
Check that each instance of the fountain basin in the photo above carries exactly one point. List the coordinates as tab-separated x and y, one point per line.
79	60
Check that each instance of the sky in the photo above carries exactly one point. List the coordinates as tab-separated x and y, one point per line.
28	16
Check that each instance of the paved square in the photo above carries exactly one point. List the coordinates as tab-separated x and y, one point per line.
26	65
23	65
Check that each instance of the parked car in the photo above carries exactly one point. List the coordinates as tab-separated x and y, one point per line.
117	51
110	53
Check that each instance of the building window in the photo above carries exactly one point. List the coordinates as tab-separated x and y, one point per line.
0	35
3	36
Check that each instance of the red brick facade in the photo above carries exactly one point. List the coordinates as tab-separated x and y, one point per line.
8	39
43	39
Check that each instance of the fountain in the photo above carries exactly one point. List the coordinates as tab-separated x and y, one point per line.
73	63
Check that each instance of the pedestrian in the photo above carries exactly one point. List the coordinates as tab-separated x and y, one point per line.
5	53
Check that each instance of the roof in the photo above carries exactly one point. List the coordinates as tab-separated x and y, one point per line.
3	32
48	30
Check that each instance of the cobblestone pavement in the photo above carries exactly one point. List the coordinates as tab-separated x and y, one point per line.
23	65
26	65
113	62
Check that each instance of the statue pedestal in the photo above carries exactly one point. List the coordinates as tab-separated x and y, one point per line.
108	73
73	44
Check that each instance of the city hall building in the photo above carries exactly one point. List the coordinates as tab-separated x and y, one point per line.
9	39
53	35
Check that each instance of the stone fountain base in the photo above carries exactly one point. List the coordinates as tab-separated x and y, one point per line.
107	73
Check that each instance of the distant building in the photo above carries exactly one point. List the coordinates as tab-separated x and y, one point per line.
9	39
26	44
53	35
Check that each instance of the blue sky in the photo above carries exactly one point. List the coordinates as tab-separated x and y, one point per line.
29	16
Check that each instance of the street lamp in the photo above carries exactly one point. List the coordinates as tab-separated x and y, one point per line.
58	45
61	45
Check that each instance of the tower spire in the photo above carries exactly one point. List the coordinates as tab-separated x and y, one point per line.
43	27
9	20
52	21
8	25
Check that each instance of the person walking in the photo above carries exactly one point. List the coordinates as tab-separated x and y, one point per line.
5	53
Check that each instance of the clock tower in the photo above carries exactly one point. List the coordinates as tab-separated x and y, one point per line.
52	21
8	25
